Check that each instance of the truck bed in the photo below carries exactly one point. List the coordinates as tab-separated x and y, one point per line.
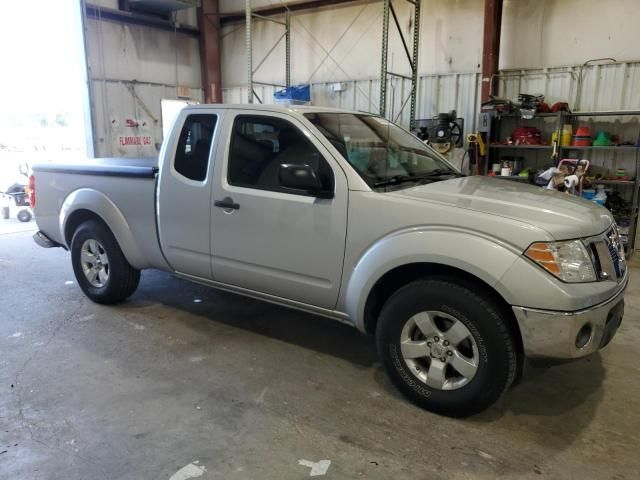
142	167
128	184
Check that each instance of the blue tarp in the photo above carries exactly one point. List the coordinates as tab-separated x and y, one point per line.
295	93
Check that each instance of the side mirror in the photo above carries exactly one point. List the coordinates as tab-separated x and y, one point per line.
24	169
302	178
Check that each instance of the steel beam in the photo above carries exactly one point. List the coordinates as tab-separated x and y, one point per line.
119	16
491	47
383	61
397	22
287	48
264	59
282	9
411	57
249	14
209	22
269	19
249	52
416	51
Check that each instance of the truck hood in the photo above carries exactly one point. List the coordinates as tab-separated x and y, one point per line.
562	216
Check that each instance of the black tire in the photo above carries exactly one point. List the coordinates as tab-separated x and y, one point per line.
4	212
487	323
123	279
24	216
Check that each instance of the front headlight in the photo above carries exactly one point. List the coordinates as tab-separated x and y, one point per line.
569	261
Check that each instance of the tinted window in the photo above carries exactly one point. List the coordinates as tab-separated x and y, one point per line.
194	145
259	145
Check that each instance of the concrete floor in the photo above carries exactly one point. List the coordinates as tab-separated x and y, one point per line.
182	378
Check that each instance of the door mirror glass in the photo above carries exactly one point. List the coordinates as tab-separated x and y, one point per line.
301	178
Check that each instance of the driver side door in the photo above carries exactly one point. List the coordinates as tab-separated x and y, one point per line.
272	239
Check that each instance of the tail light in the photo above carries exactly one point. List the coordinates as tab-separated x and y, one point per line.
32	191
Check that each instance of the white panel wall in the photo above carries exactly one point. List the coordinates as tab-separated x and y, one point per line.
132	69
535	34
134	52
568	32
116	103
445	47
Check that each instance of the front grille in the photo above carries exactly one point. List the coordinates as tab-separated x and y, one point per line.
616	250
615	258
609	254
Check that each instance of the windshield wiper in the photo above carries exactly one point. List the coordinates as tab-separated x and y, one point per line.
441	172
432	175
396	180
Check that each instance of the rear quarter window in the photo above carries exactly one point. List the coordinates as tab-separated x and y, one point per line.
194	146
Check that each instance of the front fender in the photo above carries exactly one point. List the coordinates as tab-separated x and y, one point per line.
477	254
98	203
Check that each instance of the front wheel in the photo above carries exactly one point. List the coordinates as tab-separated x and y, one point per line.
101	269
445	347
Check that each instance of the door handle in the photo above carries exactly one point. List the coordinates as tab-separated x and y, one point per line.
226	203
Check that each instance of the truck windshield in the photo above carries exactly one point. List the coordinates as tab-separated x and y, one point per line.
382	153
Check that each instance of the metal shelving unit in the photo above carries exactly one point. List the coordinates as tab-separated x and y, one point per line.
621	148
522	147
249	16
540	156
540	153
627	188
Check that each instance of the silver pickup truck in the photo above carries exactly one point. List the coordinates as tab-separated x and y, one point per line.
343	214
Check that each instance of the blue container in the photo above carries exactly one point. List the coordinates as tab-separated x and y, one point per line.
294	95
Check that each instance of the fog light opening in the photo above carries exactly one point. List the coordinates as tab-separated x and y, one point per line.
584	335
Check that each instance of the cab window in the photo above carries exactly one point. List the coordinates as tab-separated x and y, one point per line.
194	145
259	145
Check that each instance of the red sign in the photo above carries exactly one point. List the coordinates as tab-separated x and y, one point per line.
134	140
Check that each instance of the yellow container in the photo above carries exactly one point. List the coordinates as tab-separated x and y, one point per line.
565	137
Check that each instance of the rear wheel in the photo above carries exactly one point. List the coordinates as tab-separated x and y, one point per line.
100	267
24	216
4	213
445	347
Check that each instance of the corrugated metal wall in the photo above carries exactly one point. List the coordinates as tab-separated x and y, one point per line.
613	86
436	93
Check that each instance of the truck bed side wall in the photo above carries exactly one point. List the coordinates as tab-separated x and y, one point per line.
125	204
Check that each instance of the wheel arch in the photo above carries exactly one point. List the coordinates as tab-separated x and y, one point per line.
88	204
77	218
402	275
474	258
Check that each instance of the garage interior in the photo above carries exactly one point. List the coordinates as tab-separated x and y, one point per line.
182	381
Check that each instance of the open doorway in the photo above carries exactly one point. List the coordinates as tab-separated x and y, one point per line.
43	91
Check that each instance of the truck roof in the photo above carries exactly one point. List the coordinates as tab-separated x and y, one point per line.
301	109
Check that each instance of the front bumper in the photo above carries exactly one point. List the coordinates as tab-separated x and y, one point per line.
551	335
